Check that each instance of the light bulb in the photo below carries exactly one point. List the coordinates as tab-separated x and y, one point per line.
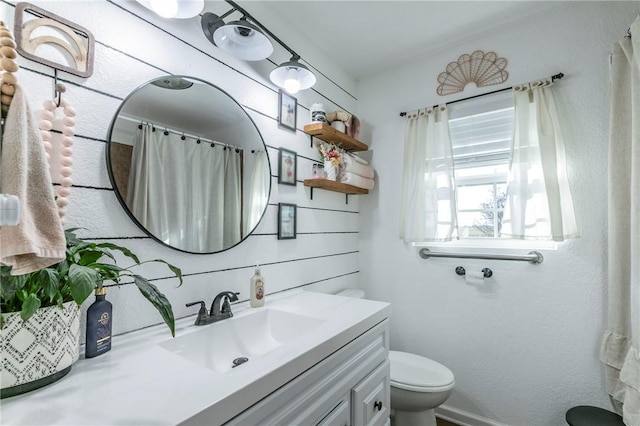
291	83
165	8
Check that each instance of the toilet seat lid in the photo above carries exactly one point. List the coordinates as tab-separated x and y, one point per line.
417	373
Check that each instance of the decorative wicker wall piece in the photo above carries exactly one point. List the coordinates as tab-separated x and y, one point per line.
483	69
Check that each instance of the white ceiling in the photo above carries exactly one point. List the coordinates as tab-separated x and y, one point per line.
366	37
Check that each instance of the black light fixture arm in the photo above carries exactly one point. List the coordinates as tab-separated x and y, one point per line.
237	7
224	15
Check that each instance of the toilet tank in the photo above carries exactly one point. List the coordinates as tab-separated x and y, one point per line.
352	292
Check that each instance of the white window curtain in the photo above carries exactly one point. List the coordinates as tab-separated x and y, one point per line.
186	194
620	349
539	205
428	204
258	193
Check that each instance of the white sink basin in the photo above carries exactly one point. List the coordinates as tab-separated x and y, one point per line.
251	334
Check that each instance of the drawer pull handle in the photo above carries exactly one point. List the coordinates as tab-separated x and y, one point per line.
378	405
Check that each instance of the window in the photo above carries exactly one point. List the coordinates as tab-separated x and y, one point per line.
481	137
459	165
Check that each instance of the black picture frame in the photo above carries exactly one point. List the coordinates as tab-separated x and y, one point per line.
287	110
287	167
287	221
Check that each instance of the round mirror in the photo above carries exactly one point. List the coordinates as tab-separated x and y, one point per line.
188	165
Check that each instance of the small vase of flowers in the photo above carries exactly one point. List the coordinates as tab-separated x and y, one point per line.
332	158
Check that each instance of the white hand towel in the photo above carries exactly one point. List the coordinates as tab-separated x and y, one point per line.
351	164
356	180
38	240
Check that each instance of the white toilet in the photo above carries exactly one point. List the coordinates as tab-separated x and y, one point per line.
418	384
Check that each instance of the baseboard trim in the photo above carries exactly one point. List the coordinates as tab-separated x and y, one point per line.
464	418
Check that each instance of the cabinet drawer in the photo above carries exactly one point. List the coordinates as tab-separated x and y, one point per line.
339	416
371	398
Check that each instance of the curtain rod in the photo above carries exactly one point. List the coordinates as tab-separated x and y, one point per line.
177	132
553	78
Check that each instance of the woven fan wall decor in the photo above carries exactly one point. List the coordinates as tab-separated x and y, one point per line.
483	69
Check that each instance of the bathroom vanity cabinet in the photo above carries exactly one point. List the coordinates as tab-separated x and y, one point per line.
350	387
313	359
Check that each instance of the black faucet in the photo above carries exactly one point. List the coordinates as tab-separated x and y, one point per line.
203	315
217	312
223	312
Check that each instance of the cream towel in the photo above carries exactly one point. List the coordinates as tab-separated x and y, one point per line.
357	158
353	165
356	180
343	116
38	240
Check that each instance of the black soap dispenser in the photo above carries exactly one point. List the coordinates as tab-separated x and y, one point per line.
98	338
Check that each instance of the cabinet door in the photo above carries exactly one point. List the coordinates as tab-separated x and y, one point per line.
339	416
371	398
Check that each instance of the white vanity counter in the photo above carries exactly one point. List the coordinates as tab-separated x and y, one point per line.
141	382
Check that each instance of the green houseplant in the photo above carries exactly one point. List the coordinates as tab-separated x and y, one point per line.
76	278
52	296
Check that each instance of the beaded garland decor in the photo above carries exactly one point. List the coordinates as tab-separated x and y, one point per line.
64	151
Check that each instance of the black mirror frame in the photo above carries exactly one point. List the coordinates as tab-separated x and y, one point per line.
123	202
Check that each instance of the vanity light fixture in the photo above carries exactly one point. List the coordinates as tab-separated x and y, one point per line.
248	41
241	38
293	76
180	9
244	40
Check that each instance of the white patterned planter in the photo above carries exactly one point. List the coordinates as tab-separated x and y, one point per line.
38	351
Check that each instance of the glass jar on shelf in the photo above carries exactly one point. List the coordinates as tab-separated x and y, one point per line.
318	171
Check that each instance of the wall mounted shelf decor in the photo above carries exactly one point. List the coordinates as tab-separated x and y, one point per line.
483	69
47	28
328	134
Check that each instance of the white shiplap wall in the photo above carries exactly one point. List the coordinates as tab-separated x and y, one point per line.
134	46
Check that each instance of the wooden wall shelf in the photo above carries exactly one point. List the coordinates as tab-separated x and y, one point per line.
331	185
329	134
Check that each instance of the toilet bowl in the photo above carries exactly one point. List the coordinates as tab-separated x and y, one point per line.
418	384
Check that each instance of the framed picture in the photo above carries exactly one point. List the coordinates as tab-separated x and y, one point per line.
287	221
287	164
287	110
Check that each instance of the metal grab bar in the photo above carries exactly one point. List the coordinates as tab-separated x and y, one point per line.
534	257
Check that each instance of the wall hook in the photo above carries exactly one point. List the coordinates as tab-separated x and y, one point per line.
58	88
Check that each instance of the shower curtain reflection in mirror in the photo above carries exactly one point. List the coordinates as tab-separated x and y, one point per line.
258	194
186	194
